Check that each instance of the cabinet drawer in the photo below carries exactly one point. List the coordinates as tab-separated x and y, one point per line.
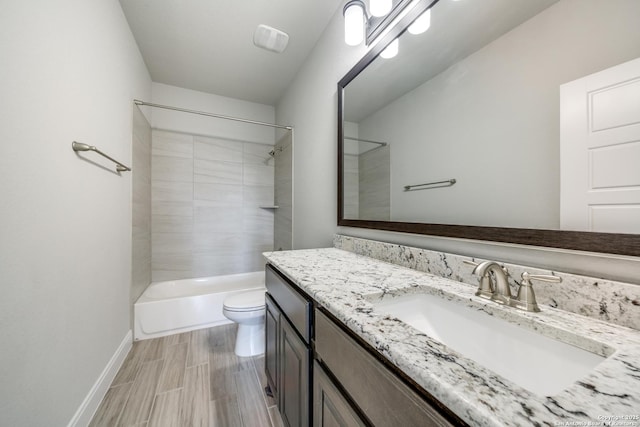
377	391
292	304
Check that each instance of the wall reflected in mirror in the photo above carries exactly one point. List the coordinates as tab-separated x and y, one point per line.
477	98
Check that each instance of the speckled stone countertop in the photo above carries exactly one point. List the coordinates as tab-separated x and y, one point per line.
346	284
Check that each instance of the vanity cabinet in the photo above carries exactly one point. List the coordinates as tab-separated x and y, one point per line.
375	389
341	381
272	340
288	353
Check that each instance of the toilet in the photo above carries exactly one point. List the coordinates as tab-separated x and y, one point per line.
247	309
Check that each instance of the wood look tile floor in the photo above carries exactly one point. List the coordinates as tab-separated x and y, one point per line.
189	379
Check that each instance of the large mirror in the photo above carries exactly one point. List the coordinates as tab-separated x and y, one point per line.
507	120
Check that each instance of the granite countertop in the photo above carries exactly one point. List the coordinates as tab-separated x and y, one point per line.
345	284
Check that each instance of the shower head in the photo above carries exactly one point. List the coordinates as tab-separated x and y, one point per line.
275	151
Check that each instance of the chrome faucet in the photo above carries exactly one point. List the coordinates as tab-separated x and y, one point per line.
497	289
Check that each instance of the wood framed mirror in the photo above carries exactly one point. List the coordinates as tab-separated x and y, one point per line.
479	98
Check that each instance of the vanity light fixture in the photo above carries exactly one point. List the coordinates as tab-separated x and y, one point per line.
391	50
421	24
380	7
354	22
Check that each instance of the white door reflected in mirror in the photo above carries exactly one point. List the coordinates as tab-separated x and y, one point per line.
600	151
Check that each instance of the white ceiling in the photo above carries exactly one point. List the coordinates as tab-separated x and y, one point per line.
207	45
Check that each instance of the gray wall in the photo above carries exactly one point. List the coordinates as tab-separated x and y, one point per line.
206	198
310	104
374	192
70	70
141	206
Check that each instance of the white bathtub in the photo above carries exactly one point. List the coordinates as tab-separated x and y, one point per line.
175	306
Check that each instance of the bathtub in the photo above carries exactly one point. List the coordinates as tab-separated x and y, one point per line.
175	306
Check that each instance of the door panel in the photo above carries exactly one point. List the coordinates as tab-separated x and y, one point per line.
615	166
272	337
294	378
600	151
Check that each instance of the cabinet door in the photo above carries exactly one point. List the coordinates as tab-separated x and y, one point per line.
330	408
294	377
272	348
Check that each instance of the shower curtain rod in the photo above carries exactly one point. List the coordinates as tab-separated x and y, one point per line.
204	113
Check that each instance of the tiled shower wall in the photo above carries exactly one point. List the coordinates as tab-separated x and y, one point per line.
351	187
367	181
374	187
141	207
206	198
283	215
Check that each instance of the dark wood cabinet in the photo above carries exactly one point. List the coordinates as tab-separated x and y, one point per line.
375	390
271	352
294	377
330	407
288	352
347	385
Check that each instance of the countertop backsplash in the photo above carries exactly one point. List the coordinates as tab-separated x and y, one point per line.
607	300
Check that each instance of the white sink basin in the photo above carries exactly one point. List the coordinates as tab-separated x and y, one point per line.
535	362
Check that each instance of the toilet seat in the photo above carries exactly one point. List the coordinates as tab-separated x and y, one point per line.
245	301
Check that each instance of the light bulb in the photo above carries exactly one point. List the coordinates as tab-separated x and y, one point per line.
354	23
421	24
391	50
380	7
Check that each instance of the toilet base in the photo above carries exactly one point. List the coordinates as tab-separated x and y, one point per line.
250	340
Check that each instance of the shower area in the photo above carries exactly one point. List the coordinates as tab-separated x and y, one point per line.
207	203
367	179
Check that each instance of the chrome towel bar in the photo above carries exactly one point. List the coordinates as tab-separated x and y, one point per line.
428	185
383	144
79	146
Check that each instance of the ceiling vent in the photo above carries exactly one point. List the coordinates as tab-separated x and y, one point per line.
270	39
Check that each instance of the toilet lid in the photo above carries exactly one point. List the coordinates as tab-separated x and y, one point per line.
245	301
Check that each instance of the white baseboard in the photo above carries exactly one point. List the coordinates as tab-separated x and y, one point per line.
89	406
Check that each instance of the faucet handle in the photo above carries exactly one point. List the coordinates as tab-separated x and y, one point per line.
526	298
